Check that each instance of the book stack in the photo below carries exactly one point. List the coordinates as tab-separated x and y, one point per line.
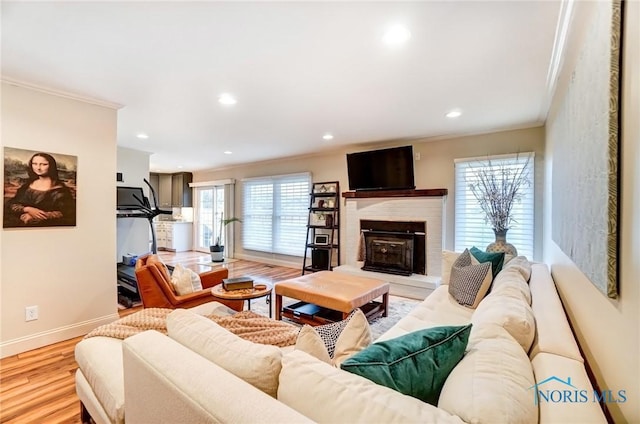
238	283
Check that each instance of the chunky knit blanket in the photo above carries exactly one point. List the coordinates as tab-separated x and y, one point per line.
246	324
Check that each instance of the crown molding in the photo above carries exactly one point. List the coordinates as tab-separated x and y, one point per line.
557	55
61	93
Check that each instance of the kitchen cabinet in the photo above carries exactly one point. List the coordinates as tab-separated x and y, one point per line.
165	190
154	182
174	236
180	190
173	189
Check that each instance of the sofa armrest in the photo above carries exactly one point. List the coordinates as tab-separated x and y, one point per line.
166	382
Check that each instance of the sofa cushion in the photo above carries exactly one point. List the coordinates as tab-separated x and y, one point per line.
547	365
438	309
522	265
416	364
553	333
513	279
335	342
255	363
185	281
490	383
100	360
469	283
496	259
507	309
327	394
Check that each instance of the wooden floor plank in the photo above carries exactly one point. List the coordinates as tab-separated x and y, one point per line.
38	386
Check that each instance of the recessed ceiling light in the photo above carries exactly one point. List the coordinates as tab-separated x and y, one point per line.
180	166
453	114
227	99
227	152
396	35
142	136
328	136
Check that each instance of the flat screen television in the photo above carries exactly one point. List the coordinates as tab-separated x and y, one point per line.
131	198
385	169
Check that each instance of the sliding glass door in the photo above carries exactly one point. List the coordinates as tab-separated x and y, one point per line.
209	207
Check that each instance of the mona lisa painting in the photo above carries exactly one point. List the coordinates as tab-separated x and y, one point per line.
39	189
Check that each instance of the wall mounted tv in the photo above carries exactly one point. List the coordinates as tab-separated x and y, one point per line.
385	169
131	198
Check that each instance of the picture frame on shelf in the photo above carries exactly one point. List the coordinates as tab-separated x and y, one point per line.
321	239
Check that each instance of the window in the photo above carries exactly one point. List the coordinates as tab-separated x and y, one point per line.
471	229
275	213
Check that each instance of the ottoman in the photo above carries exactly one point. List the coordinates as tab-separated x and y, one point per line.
332	291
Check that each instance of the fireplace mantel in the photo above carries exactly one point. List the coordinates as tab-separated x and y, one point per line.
431	192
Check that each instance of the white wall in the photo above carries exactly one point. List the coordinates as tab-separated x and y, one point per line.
68	272
608	330
435	169
133	233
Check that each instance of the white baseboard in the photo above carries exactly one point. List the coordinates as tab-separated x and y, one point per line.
271	261
44	338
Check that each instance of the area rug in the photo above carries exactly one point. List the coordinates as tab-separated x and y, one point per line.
399	307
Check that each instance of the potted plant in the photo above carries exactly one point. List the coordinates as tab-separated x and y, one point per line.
497	187
217	250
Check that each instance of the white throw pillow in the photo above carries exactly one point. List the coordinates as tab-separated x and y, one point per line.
185	280
333	343
257	364
448	258
489	385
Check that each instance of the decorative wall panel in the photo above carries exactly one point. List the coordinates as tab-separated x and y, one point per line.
586	139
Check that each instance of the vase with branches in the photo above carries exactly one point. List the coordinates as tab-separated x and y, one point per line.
497	187
217	250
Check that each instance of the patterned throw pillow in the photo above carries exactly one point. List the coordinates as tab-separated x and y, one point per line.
335	342
469	283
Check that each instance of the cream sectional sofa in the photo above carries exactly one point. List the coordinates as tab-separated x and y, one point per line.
520	337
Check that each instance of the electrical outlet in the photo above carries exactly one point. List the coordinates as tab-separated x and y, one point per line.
31	313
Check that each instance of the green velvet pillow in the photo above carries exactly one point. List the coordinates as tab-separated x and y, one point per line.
416	364
496	259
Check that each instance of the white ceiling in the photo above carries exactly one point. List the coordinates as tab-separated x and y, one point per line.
298	70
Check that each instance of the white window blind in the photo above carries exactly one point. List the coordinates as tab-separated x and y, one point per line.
471	228
275	213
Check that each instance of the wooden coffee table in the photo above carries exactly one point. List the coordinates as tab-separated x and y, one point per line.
258	290
337	293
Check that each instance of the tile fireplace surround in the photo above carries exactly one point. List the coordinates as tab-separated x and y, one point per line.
405	205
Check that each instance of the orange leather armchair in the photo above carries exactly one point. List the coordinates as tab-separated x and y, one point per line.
156	291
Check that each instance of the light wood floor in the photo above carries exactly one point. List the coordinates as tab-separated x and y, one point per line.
39	387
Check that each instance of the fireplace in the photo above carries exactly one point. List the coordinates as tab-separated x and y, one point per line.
394	247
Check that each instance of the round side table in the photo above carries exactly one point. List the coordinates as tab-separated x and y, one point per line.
259	290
